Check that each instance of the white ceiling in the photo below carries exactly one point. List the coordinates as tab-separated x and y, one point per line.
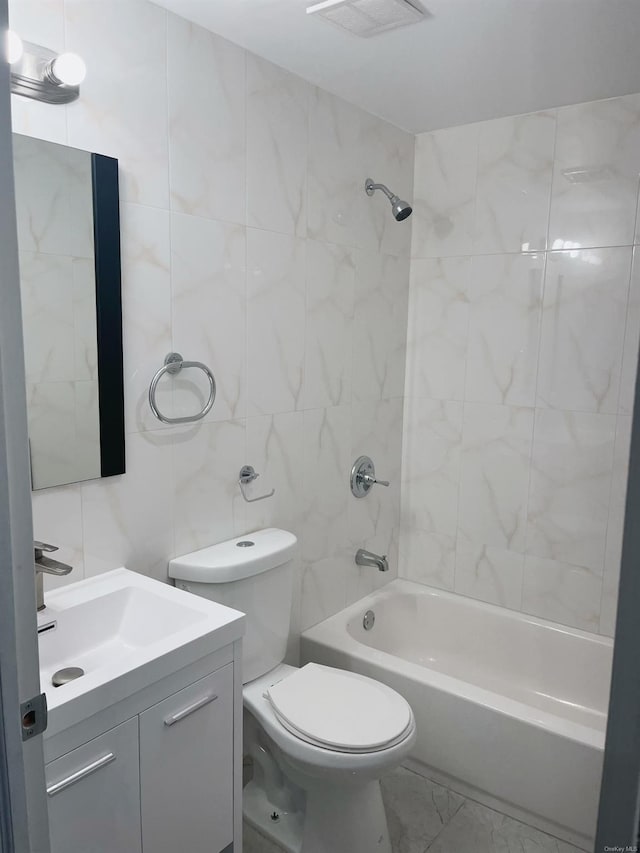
472	60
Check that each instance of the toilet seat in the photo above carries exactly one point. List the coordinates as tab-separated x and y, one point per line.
339	710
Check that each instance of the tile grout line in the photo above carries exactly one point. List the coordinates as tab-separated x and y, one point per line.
535	407
469	274
447	824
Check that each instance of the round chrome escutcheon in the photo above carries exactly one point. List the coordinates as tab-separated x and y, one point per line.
369	620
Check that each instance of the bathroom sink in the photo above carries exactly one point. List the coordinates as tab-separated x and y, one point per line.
125	631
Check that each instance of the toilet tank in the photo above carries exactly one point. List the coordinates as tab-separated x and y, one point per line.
254	574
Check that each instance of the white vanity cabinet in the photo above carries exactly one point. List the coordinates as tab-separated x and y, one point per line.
143	752
186	768
165	780
94	795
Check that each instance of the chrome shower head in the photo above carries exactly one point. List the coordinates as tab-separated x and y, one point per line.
401	209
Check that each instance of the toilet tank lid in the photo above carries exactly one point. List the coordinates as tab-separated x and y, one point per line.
236	559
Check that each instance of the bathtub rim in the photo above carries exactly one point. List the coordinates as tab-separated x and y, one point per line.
325	632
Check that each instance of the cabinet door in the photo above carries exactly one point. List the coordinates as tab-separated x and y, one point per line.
186	768
94	795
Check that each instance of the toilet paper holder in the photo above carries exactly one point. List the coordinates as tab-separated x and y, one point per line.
247	475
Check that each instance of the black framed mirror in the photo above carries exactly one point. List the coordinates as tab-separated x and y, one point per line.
67	205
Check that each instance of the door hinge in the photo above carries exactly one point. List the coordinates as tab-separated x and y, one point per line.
33	716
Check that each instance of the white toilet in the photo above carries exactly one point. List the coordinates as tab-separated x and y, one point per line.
320	737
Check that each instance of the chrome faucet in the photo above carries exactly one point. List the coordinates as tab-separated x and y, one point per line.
45	565
368	558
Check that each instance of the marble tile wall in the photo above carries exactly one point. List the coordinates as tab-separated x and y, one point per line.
521	359
249	244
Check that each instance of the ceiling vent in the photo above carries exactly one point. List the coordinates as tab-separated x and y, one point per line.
366	18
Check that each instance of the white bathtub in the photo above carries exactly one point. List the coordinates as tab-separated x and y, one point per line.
510	709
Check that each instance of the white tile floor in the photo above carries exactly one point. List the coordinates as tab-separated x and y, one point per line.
425	816
253	842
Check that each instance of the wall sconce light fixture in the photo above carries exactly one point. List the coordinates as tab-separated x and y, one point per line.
42	74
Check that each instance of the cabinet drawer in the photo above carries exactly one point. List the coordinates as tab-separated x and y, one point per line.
94	795
186	768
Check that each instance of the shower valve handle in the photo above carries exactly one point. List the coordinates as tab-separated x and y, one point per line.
363	477
371	481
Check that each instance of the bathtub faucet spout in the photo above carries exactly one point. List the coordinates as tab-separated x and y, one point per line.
368	558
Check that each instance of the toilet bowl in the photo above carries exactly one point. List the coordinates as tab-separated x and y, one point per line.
334	763
343	808
320	737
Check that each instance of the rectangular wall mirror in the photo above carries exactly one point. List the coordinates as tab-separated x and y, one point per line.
69	239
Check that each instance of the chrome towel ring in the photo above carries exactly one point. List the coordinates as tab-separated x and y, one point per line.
173	363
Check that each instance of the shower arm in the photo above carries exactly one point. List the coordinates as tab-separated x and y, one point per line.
401	209
370	188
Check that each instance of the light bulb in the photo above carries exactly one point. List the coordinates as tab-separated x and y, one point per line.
68	68
14	47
